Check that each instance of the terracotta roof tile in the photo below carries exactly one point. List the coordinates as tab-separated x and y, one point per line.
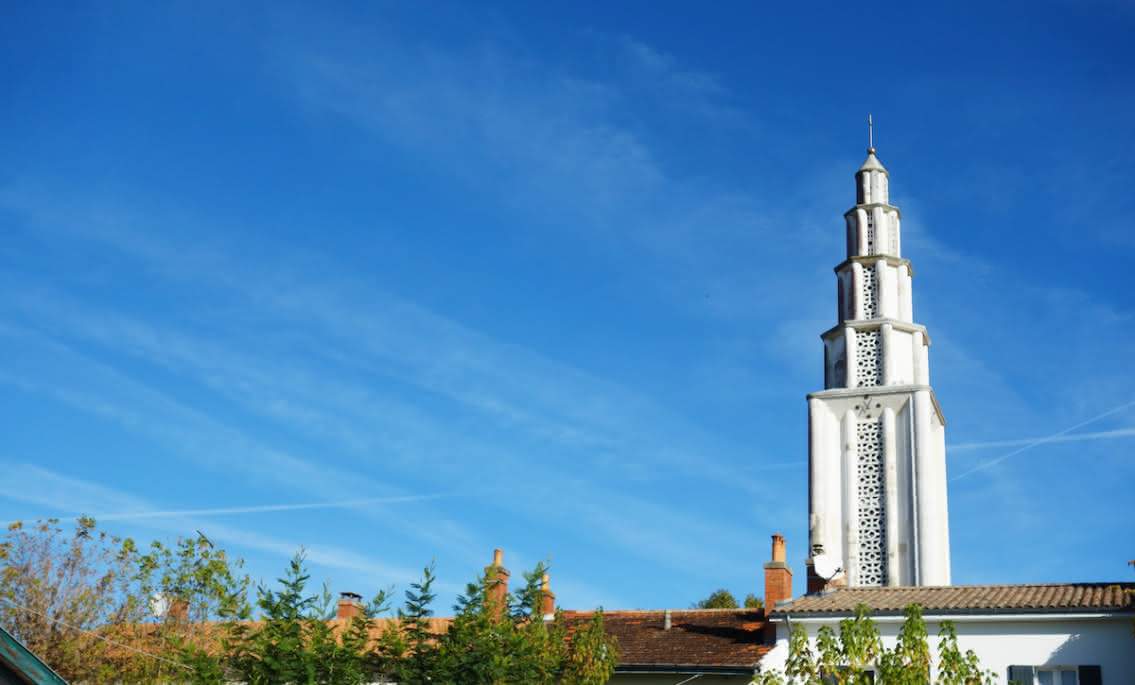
435	625
1057	597
697	637
710	639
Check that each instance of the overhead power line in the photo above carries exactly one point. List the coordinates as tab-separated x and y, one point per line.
95	635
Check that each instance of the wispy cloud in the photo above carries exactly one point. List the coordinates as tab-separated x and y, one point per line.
52	368
60	493
569	157
1076	437
265	508
1051	438
56	371
389	337
535	399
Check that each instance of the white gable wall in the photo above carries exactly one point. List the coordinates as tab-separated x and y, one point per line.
1001	641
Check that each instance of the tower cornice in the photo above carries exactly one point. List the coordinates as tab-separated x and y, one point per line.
872	205
870	324
871	259
852	393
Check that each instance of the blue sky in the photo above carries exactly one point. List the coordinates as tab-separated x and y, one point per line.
411	280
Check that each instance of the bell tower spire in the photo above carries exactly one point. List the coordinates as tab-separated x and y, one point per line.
877	468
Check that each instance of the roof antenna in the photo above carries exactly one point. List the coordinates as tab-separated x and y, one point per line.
870	136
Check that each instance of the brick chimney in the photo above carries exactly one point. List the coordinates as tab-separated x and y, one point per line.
547	598
496	585
350	605
178	610
778	576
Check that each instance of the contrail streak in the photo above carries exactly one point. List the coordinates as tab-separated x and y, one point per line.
1040	441
265	508
1101	435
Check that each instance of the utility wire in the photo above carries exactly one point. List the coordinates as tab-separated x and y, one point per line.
96	635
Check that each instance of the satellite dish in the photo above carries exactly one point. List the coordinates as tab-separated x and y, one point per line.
827	567
159	604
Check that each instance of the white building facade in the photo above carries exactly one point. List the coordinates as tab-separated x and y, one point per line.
876	443
1041	634
1056	649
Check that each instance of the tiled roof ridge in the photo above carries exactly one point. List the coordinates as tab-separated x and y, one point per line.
1079	596
727	639
1100	583
626	612
723	639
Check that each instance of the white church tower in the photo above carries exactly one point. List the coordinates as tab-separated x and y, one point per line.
876	436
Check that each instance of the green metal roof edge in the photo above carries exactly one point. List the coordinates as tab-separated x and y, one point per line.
19	658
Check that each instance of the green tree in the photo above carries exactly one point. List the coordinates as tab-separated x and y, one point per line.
723	599
81	598
850	656
593	654
495	640
293	642
409	650
57	587
197	583
718	599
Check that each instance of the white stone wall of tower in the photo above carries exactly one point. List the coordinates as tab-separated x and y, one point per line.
849	462
903	356
825	475
894	562
876	436
939	573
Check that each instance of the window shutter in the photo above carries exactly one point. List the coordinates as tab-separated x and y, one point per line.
1022	675
1091	675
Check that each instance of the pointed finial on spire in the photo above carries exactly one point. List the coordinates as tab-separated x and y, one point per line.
870	136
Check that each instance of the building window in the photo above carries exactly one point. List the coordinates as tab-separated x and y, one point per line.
1055	675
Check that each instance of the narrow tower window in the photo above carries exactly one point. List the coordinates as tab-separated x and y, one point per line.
870	233
868	295
868	358
894	224
869	478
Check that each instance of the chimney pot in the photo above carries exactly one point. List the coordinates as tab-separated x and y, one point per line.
666	621
778	547
498	557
